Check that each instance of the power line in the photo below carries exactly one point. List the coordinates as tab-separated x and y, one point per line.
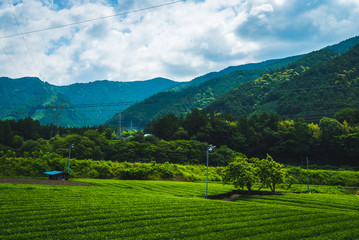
22	35
12	62
91	20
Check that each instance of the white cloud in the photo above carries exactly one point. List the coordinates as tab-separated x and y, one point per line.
179	41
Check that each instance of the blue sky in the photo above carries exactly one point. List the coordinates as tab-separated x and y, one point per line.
179	41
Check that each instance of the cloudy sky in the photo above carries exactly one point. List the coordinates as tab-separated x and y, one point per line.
178	41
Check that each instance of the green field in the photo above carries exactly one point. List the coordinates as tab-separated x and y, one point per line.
119	209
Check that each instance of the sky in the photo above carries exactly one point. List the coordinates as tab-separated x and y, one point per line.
61	42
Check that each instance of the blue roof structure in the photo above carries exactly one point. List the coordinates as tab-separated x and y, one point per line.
53	172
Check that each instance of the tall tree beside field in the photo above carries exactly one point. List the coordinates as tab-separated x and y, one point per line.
245	172
269	172
241	173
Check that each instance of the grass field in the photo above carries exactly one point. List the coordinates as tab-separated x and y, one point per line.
117	209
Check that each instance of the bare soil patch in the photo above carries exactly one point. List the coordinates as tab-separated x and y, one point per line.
42	182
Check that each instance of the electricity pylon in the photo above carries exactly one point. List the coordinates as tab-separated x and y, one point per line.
119	129
56	116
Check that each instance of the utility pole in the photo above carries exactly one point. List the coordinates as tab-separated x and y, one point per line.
210	148
68	163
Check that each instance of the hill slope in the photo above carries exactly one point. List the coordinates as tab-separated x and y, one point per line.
180	101
204	90
308	88
85	103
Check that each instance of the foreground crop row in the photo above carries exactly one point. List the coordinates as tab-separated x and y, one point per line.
116	209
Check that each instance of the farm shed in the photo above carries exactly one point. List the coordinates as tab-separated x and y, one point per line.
57	175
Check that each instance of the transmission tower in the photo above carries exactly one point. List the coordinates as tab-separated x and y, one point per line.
119	129
56	113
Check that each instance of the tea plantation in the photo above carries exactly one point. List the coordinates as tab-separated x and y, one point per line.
119	209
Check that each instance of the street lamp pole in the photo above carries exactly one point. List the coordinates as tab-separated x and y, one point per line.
210	148
68	163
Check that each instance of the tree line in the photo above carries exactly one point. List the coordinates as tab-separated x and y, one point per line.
184	139
101	144
332	141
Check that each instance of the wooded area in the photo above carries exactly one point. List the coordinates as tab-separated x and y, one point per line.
184	139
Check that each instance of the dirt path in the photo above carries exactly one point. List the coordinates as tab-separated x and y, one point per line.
41	181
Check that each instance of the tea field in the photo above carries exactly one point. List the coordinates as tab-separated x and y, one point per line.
119	209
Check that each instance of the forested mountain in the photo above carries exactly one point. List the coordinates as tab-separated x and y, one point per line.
180	99
203	91
315	86
93	103
80	104
250	66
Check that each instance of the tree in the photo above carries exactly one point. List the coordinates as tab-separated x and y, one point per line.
269	172
194	121
295	139
166	126
17	141
223	155
241	173
330	128
108	133
351	115
6	133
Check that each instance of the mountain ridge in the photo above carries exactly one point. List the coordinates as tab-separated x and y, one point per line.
309	91
177	102
95	102
30	97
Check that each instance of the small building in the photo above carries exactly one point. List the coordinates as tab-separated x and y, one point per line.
57	175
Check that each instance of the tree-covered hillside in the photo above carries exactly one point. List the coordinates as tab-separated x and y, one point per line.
183	101
204	90
318	85
83	103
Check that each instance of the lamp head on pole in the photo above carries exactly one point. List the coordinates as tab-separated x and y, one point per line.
210	147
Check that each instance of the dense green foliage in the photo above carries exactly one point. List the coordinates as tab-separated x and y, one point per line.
246	172
288	141
184	140
24	139
241	173
11	165
115	209
30	97
36	165
16	133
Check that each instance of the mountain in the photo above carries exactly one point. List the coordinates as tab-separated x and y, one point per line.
345	45
179	100
319	84
78	104
206	91
250	66
93	103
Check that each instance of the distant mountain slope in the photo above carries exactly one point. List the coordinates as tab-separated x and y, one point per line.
250	66
182	101
345	45
318	85
85	103
99	100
